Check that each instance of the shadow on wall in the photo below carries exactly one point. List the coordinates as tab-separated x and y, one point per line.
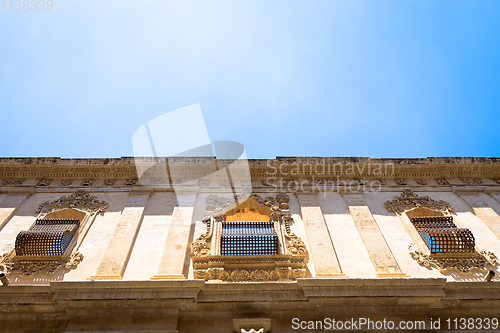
38	278
473	277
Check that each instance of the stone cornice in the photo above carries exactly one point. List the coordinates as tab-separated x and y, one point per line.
449	169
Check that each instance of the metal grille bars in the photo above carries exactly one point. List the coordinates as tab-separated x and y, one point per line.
248	238
441	235
46	237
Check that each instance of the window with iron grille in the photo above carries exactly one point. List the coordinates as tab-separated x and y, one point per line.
441	235
248	238
46	237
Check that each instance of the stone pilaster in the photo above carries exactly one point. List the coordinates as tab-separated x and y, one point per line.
380	254
10	203
494	194
480	208
175	260
115	258
323	253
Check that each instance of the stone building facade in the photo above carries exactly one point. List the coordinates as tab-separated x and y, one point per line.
88	245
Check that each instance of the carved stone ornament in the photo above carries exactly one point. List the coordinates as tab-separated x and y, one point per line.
442	181
243	275
109	182
252	330
401	182
79	200
267	182
87	182
322	181
480	261
471	181
251	325
130	182
44	182
66	182
410	200
13	182
421	182
200	245
27	268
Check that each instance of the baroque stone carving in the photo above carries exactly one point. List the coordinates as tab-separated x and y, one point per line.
217	204
401	182
130	182
324	181
79	200
43	182
109	182
200	245
87	182
409	200
252	330
243	275
471	181
160	181
479	261
66	182
421	182
442	181
13	182
267	182
203	182
29	267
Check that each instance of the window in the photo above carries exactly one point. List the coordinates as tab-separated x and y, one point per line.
53	239
251	242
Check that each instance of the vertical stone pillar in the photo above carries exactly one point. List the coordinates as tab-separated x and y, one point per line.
480	208
10	203
174	262
117	253
323	253
380	254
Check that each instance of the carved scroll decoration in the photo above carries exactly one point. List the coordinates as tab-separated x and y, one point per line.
256	275
200	246
465	265
79	200
8	264
410	200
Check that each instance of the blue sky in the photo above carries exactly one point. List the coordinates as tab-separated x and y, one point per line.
284	78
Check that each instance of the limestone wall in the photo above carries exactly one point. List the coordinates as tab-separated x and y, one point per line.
146	230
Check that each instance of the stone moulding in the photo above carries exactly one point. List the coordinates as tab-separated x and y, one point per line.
410	200
249	268
464	265
79	200
209	265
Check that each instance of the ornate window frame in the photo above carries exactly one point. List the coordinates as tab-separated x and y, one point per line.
208	263
80	205
463	263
